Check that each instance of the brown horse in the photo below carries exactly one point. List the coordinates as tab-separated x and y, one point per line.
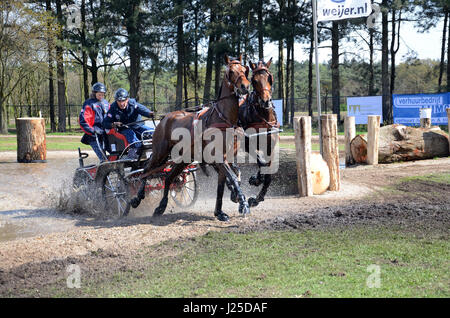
258	113
222	114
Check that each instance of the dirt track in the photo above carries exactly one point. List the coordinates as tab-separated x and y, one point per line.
105	246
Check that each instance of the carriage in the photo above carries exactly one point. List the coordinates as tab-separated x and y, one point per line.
117	179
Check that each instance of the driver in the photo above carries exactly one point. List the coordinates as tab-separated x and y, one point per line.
126	111
91	117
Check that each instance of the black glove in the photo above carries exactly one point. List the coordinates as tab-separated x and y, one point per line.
152	114
98	130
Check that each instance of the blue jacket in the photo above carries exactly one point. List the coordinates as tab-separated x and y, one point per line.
91	115
131	114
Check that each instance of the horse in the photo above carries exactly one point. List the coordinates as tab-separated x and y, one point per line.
258	112
222	114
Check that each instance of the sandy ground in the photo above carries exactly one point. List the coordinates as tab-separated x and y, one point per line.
59	238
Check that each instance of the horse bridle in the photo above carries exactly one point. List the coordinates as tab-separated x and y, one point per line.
232	85
254	72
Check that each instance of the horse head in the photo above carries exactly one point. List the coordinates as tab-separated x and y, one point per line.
262	81
237	76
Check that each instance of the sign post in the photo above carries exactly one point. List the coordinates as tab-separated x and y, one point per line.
328	10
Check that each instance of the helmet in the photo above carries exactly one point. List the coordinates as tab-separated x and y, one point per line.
99	87
121	94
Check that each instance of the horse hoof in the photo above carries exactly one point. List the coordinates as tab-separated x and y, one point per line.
159	211
135	202
244	209
254	181
252	202
234	197
223	217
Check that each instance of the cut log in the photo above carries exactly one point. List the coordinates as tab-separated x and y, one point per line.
350	132
373	132
358	147
331	149
403	143
31	140
302	128
320	174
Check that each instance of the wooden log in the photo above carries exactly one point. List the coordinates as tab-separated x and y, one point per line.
358	148
31	140
331	149
320	173
373	133
350	132
403	143
302	128
425	117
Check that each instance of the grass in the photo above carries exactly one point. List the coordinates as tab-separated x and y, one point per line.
439	178
53	143
314	263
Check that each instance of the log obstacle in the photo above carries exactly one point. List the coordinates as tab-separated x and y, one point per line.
331	149
373	136
302	128
425	117
350	133
31	140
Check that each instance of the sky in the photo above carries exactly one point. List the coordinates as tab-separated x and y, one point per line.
426	45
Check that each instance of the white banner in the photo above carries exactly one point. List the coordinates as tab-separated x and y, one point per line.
361	107
278	104
328	10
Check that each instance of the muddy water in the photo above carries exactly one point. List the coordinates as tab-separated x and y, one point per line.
34	198
29	195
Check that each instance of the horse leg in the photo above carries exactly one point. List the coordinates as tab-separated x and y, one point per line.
218	213
231	176
168	181
265	178
237	172
260	197
140	195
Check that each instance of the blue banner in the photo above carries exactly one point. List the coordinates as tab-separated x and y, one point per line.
406	108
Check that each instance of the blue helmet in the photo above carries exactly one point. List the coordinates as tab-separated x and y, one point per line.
99	87
121	94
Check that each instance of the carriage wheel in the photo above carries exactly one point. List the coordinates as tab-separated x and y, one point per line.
83	183
185	190
115	193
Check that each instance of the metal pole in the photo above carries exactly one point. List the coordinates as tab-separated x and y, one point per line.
316	52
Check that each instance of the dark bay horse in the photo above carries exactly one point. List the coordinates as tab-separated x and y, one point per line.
258	112
221	115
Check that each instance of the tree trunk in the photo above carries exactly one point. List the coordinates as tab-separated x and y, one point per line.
60	73
288	77
83	50
386	103
442	63
335	70
448	58
31	141
291	118
403	143
371	91
209	60
260	31
217	73
281	72
180	61
51	89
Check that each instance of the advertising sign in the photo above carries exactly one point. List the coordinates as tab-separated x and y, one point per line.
406	108
278	103
361	107
328	10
